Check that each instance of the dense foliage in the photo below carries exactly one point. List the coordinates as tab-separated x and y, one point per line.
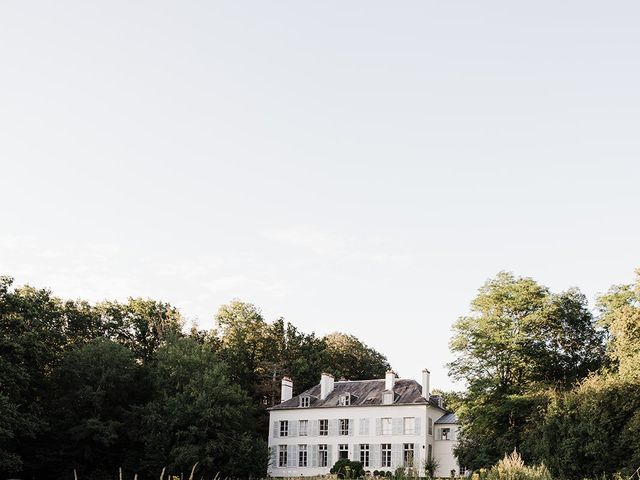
99	387
547	378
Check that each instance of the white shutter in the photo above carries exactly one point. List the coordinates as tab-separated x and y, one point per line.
396	455
397	426
276	429
417	424
330	461
376	455
333	426
292	457
352	426
293	428
356	452
364	426
313	428
314	455
378	426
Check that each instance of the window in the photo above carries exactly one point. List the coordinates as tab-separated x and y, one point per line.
344	400
409	425
303	428
364	454
386	455
430	452
386	426
323	457
324	427
463	470
284	428
430	426
407	455
282	457
445	434
302	455
305	401
344	426
343	451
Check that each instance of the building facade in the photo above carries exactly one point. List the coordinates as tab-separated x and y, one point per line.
383	423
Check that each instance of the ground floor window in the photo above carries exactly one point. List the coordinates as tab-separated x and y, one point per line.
364	454
282	456
302	455
323	457
343	451
407	455
386	455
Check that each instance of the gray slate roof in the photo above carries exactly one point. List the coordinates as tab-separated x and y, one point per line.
363	393
448	418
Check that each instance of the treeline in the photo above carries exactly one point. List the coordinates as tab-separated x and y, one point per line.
98	387
549	378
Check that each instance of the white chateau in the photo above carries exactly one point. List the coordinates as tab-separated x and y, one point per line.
383	423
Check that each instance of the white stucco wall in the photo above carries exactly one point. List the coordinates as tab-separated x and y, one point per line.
443	450
421	438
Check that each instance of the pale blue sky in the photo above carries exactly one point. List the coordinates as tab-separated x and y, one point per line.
358	166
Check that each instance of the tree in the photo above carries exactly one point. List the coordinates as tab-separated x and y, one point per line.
345	356
31	342
199	415
620	314
519	340
94	389
142	325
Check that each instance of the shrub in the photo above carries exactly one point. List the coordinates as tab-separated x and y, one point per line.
345	468
512	467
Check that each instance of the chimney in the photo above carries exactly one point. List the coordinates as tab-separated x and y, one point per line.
326	385
425	383
389	380
286	391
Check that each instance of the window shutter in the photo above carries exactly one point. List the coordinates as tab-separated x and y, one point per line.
276	429
356	452
396	455
378	426
330	461
417	423
313	427
397	426
416	456
376	455
333	426
314	455
292	457
293	428
352	426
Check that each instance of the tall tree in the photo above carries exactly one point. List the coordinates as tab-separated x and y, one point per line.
198	415
345	356
519	340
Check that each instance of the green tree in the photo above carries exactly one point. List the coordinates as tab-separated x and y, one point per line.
519	340
142	325
345	356
94	389
199	415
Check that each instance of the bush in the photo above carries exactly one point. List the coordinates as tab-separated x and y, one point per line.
345	468
511	467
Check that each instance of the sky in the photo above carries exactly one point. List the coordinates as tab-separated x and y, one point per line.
359	166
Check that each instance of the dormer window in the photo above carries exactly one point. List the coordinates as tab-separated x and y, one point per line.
305	401
344	400
387	398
